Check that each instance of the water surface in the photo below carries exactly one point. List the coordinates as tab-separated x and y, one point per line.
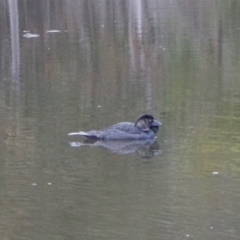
80	65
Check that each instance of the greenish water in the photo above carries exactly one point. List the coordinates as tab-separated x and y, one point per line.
91	64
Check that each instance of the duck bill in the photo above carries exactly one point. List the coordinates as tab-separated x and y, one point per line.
156	123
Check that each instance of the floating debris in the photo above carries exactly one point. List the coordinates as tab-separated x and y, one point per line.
49	184
34	184
53	31
214	173
30	35
76	144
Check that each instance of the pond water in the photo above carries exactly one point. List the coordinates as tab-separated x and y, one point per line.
80	65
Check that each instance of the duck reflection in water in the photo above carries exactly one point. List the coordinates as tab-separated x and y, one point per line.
138	137
144	148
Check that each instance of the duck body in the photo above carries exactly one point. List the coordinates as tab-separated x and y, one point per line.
145	127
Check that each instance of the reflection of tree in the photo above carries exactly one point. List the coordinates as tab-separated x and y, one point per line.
144	54
14	24
14	82
125	55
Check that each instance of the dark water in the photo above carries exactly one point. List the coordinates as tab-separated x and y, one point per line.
81	65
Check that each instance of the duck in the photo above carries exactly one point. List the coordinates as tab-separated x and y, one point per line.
145	127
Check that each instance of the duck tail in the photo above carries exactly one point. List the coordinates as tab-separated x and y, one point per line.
79	133
89	135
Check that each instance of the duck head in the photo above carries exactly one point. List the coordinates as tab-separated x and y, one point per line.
147	122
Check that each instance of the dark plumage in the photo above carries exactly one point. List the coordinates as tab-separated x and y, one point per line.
145	127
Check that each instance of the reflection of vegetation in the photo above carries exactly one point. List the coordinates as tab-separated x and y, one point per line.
109	59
